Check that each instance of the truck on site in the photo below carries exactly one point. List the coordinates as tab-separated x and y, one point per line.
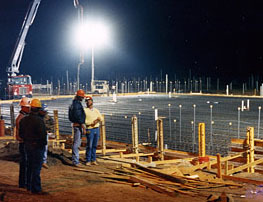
100	86
20	85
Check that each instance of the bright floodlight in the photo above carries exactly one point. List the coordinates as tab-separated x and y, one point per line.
92	34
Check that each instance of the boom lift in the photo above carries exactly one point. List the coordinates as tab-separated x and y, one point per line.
21	85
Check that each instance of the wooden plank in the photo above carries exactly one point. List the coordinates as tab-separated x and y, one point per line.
117	177
99	151
240	168
219	173
239	179
172	161
131	155
152	185
7	138
90	171
163	175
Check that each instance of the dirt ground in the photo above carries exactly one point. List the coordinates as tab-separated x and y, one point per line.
65	183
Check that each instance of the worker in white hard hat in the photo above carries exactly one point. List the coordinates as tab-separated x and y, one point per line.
25	109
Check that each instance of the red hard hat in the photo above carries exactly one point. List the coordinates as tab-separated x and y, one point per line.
88	98
80	93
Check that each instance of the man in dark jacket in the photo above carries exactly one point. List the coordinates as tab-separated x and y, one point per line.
79	127
33	132
25	109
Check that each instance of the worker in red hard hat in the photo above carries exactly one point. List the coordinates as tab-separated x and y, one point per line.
77	117
24	111
33	132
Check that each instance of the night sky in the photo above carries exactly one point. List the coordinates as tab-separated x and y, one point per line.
221	39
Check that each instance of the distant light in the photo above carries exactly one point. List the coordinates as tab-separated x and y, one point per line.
91	34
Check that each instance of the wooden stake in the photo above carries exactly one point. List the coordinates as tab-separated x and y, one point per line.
226	167
219	174
103	135
201	139
150	159
56	124
252	148
135	134
160	137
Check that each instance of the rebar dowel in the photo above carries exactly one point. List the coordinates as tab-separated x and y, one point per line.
170	122
180	138
211	126
238	123
259	110
194	106
56	124
201	139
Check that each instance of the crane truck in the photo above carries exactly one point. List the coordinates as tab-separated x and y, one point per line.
21	85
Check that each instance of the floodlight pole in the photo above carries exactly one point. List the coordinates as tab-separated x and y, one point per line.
92	68
80	16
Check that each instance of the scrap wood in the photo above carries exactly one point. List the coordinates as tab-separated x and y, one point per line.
116	177
162	189
152	185
118	181
163	175
245	180
215	181
90	171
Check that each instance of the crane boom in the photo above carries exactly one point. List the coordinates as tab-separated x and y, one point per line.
17	54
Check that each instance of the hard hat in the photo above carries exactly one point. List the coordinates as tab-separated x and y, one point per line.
24	102
81	93
44	107
36	103
88	98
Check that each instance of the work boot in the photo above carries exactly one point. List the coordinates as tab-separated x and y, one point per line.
88	164
44	165
94	163
78	165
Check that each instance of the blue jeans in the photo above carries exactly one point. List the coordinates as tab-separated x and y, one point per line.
45	152
22	166
93	136
76	144
34	165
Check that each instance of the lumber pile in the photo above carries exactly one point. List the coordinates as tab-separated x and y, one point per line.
168	181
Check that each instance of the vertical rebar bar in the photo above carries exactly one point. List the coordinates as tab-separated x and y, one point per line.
259	109
211	126
170	123
238	122
194	106
180	123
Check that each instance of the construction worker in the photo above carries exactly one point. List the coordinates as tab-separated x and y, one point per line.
25	109
33	132
49	123
77	117
93	118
